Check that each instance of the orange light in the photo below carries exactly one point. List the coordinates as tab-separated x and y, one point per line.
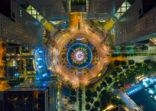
109	107
119	58
2	51
78	26
3	84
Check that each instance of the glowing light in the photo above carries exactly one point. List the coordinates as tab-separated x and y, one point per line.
109	25
79	55
144	84
16	74
124	7
151	91
44	75
147	82
79	29
40	67
35	14
153	40
155	97
109	107
2	52
41	63
135	89
39	59
4	85
40	51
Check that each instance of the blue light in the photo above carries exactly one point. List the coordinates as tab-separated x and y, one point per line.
41	63
39	59
88	56
40	67
144	84
37	78
151	91
134	89
40	51
16	74
45	84
154	97
44	75
147	82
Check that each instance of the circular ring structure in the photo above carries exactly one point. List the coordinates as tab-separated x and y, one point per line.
79	55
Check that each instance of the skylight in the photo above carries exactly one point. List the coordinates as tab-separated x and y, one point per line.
36	15
124	7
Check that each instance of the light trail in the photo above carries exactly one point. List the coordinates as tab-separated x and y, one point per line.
79	27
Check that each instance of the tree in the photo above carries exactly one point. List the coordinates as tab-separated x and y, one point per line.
131	62
116	63
109	80
104	84
97	104
87	107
